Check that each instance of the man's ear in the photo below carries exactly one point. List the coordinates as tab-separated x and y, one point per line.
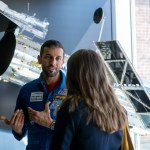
39	59
63	62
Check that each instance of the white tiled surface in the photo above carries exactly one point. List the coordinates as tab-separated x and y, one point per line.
145	142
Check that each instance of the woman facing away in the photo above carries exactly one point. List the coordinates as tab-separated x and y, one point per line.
91	118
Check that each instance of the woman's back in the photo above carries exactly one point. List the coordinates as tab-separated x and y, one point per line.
75	134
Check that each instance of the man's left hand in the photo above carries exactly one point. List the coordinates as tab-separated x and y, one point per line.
42	118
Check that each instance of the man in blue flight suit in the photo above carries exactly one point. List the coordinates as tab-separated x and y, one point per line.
34	113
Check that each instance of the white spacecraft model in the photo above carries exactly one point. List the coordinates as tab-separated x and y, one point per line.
24	66
27	23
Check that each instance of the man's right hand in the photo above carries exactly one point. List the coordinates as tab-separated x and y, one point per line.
3	118
16	121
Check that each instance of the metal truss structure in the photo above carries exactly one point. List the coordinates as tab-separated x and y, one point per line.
127	84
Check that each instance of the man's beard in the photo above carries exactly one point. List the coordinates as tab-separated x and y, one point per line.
50	74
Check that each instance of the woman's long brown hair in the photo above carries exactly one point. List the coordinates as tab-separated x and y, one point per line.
87	80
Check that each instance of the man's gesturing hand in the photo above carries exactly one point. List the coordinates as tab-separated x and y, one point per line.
42	118
16	121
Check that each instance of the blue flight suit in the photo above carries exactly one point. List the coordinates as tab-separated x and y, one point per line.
35	95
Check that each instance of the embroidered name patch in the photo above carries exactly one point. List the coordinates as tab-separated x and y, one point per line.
36	96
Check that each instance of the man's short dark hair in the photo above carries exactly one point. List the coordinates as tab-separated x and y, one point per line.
51	44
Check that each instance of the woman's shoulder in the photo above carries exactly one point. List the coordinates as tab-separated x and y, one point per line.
73	106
